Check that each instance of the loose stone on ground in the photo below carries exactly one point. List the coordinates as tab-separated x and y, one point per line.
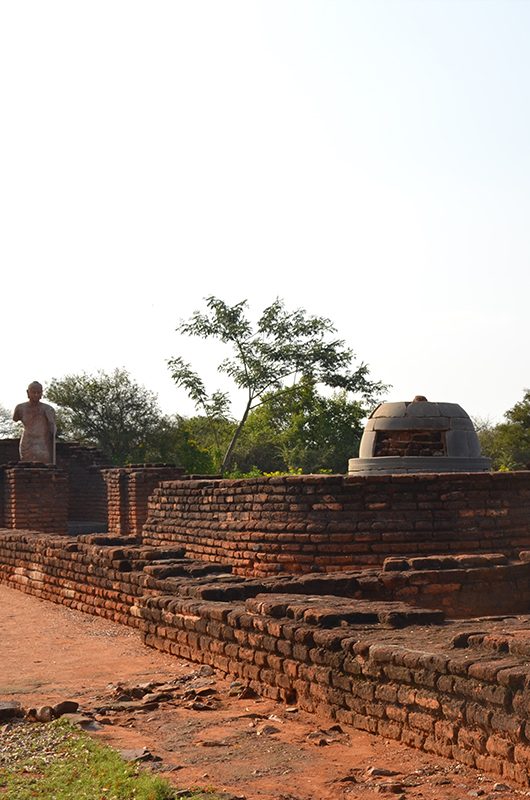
236	760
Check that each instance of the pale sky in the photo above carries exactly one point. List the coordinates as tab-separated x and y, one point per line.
368	161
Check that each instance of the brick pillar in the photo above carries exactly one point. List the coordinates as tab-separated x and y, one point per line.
36	498
143	480
2	497
117	503
129	489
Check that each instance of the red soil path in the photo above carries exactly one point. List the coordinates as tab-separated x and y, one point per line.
249	748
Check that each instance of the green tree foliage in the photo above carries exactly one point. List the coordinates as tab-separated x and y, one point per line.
283	347
174	442
520	413
508	444
110	410
301	429
8	429
213	435
123	419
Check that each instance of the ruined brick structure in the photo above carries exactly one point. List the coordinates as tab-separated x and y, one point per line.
336	645
87	496
128	492
297	524
85	490
34	497
353	597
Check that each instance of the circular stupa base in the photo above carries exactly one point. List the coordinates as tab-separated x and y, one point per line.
395	465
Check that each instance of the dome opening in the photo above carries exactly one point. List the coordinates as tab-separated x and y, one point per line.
419	436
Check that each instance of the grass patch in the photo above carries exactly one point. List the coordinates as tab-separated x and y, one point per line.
59	762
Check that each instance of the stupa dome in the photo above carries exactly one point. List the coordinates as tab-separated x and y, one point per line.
419	436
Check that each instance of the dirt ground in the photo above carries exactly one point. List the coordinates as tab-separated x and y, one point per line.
203	730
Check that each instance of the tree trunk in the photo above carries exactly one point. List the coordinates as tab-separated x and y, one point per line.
235	437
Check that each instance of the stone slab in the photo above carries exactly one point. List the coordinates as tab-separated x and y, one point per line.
390	410
367	444
410	424
457	444
394	465
452	410
423	409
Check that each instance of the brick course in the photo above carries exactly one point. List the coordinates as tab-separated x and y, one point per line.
87	497
264	526
128	492
356	633
459	690
35	497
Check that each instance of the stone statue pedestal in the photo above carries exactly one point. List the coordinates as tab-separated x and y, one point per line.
35	497
128	493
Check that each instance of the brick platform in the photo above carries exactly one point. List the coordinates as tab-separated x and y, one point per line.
329	643
297	524
34	496
87	496
347	596
128	492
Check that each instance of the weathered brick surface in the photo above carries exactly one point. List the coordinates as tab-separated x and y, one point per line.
91	573
35	497
389	551
87	497
117	501
455	689
264	526
128	492
2	497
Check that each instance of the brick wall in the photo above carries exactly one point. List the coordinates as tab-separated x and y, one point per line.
464	586
9	451
35	497
469	705
128	492
117	501
455	689
87	496
297	524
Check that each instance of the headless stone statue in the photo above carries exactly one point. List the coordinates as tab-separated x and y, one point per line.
38	439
